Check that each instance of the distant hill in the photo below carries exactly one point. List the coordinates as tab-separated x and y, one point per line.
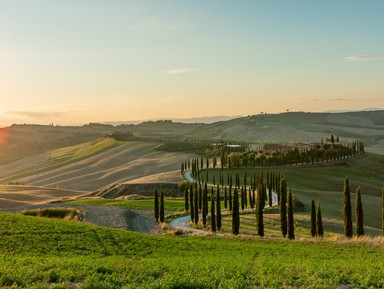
203	119
18	141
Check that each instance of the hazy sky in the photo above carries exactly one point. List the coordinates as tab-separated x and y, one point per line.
80	61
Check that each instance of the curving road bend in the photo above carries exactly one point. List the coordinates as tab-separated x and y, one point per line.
182	222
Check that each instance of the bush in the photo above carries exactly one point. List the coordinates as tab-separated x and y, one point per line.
298	206
181	186
60	213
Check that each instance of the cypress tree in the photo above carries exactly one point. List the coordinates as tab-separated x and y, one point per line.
225	198
205	205
191	203
242	198
319	222
347	211
200	197
156	206
161	207
213	217
196	207
291	228
359	214
186	197
283	207
259	211
313	219
235	213
230	198
218	209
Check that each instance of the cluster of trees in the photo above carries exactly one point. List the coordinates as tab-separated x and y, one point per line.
292	156
121	135
241	196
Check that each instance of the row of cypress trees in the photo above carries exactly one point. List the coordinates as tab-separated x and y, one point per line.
317	229
347	211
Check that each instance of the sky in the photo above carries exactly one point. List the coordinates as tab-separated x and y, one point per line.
81	61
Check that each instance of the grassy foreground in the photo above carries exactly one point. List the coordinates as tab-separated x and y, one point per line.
47	253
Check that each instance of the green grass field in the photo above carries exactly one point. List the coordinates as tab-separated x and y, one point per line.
324	183
49	253
145	204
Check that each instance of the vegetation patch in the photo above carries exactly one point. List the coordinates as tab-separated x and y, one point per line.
59	213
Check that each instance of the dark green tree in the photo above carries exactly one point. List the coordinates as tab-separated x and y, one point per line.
359	214
347	211
283	207
213	216
291	227
186	198
157	214
313	219
205	205
162	207
235	213
230	198
196	207
225	198
191	203
319	222
259	211
218	209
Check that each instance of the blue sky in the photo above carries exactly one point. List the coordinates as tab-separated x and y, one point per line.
77	61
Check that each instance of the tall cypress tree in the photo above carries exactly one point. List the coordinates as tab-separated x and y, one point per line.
259	211
283	207
200	198
218	209
313	219
319	222
186	198
196	207
191	203
242	198
230	197
347	211
291	228
157	215
205	205
161	207
225	198
359	214
213	217
235	213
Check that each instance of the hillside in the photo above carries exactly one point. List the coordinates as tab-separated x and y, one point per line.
19	141
92	165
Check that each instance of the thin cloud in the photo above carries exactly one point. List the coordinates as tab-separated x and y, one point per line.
179	71
37	114
338	99
361	58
